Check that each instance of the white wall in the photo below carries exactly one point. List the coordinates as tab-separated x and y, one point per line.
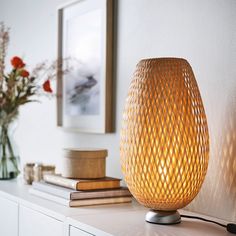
203	32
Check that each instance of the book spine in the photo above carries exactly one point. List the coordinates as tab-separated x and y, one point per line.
98	185
57	180
100	201
99	194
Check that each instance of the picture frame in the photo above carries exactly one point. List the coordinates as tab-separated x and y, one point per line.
85	45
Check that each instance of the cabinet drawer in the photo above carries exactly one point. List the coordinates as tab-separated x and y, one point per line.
33	223
8	217
77	232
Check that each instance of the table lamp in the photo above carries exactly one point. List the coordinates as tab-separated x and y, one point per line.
164	143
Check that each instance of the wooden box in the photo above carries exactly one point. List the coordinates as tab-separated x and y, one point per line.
84	163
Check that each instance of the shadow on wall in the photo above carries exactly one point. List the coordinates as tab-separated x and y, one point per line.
224	191
218	195
227	160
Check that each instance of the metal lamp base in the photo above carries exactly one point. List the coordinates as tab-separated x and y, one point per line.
163	217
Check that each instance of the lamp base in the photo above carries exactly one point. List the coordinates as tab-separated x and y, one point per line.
163	217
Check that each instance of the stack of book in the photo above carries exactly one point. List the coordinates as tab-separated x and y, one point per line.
81	192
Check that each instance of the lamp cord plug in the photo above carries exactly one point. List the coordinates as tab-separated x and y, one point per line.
230	227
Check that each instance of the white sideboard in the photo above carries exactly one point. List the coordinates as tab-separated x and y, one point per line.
22	214
8	217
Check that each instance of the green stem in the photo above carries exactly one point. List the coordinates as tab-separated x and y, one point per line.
3	145
12	156
7	154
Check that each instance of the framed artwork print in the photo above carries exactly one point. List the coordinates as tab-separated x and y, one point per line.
84	94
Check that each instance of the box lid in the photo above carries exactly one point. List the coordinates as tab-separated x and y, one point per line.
85	153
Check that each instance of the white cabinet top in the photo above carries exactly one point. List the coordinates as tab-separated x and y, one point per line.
19	192
118	219
133	223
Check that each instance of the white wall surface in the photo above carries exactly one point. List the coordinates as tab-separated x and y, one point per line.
203	32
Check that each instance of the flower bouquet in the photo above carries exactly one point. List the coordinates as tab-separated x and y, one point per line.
17	88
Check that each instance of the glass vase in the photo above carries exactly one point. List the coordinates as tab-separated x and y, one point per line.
9	160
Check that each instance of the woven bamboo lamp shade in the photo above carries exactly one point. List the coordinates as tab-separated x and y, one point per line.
164	138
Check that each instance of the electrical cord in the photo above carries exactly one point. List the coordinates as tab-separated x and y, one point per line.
230	227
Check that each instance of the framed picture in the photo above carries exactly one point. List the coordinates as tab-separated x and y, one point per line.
84	95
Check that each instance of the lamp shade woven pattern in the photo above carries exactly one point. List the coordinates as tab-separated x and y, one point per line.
164	142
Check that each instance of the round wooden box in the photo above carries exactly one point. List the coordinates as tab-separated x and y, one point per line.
84	163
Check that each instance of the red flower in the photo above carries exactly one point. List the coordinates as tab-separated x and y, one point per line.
17	63
24	73
47	86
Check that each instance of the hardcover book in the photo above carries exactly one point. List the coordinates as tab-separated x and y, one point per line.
83	184
73	194
80	202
